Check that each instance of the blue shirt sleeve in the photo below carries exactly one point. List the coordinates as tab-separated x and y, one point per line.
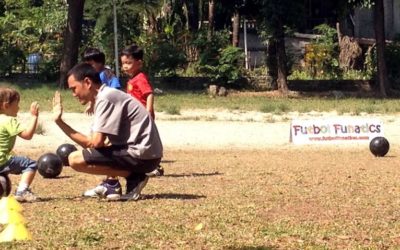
112	82
103	77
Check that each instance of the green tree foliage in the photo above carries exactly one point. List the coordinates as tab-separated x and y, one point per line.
274	14
168	30
131	15
379	28
229	66
72	39
274	17
361	3
157	26
162	58
30	26
218	60
321	56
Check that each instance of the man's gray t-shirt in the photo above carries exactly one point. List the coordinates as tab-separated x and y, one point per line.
126	122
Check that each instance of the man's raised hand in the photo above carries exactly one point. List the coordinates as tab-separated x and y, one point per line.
57	106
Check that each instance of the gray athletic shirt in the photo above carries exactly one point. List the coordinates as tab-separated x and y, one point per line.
126	122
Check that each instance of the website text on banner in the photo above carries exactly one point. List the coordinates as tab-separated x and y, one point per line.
335	130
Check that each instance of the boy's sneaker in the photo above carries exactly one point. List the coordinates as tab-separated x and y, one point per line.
134	187
25	196
105	190
159	171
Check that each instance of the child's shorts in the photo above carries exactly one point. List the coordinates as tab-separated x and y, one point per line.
18	165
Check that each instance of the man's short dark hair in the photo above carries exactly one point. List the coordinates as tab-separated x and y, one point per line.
83	70
93	54
133	51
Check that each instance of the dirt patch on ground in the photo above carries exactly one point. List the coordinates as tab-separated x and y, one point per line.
302	94
207	129
272	93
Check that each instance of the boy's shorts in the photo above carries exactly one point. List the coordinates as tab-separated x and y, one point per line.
118	157
18	165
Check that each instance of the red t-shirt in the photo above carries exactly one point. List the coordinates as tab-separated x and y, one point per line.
139	87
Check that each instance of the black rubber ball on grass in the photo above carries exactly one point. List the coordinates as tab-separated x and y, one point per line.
5	185
379	146
63	152
49	165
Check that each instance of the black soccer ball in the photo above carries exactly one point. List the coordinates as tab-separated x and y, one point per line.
379	146
63	152
49	165
5	185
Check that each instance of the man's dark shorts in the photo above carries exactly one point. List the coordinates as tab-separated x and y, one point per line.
118	157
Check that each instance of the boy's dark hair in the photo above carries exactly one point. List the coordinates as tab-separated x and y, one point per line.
83	70
134	51
93	54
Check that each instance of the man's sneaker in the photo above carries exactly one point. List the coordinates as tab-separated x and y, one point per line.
159	171
25	196
134	187
105	190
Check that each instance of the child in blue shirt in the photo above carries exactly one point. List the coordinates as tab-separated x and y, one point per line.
97	59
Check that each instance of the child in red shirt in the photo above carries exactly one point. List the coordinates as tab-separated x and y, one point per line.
138	86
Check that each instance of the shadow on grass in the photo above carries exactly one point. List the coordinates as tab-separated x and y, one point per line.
172	196
192	174
48	199
59	177
252	248
168	161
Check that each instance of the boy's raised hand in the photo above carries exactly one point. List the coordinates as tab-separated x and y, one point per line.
34	109
57	106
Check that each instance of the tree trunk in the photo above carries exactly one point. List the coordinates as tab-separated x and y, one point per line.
281	60
201	14
72	38
272	63
152	24
193	15
211	9
379	27
235	30
185	11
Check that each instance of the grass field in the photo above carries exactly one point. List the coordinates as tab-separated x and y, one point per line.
173	102
289	198
278	198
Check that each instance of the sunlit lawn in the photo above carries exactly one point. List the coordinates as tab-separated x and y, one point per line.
288	198
174	101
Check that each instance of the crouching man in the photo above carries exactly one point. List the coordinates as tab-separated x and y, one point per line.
124	141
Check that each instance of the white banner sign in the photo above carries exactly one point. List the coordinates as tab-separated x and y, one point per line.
335	130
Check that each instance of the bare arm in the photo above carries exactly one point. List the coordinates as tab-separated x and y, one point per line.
90	108
94	141
27	134
150	103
